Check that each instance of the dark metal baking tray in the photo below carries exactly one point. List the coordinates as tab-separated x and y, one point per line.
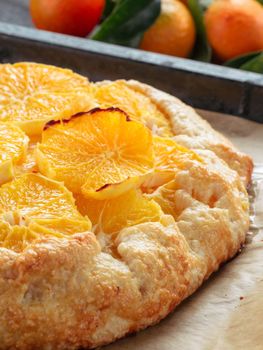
202	85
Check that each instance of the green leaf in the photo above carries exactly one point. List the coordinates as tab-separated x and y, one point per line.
260	1
238	61
127	22
109	6
254	65
252	62
202	50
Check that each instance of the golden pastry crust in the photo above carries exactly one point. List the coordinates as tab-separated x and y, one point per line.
193	132
69	293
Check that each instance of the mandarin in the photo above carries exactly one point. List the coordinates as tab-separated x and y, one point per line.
174	31
73	17
234	27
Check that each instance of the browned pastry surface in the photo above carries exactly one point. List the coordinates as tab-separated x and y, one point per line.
70	293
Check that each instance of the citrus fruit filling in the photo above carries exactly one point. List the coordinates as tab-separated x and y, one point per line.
13	148
138	106
118	161
165	196
32	205
169	157
32	94
112	215
100	154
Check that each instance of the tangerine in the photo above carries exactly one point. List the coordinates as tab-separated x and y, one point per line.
234	27
73	17
174	31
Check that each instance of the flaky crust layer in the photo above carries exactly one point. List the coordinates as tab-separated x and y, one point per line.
65	294
194	132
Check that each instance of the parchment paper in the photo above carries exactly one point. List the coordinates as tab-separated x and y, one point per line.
226	313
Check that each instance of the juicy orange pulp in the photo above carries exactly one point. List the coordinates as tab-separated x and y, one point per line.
32	94
138	106
169	157
112	215
100	154
105	157
32	205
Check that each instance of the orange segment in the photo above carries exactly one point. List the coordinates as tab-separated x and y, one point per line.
31	94
110	216
138	106
13	147
101	153
32	205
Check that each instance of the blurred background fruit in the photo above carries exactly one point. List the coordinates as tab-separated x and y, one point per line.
173	33
73	17
228	32
234	27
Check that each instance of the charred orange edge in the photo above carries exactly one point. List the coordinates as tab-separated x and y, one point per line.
90	112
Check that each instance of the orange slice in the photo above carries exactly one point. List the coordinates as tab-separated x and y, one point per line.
16	237
169	157
101	153
33	206
13	147
165	197
110	216
31	94
138	106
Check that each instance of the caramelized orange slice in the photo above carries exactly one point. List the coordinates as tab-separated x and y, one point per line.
31	94
165	197
169	157
137	105
32	206
101	153
112	215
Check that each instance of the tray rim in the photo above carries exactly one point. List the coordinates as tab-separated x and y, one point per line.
85	44
248	85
